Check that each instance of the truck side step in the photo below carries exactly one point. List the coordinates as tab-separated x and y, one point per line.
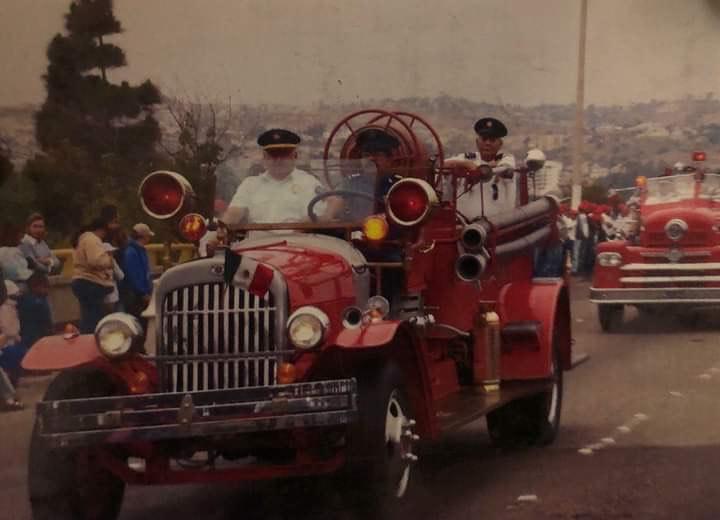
472	403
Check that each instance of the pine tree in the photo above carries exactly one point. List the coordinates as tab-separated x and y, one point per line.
83	107
97	138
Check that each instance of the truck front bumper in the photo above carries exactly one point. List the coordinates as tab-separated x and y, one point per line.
153	417
666	295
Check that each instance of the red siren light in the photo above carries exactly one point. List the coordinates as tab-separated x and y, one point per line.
163	194
699	156
192	227
409	201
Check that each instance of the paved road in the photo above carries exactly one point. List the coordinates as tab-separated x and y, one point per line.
640	439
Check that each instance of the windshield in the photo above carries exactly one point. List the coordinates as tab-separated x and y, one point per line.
710	187
674	188
300	192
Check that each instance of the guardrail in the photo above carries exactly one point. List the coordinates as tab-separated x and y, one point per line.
160	256
64	304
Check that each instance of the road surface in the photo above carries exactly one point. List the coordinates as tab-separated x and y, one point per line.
640	438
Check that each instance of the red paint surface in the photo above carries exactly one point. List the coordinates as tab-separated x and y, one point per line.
57	353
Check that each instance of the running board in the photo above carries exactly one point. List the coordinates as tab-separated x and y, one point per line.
472	403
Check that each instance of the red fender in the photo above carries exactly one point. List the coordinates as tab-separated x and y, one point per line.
545	302
368	336
58	353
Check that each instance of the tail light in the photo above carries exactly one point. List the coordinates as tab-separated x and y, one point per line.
698	156
163	194
410	201
192	227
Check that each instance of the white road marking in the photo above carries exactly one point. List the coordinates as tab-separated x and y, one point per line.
705	377
624	429
607	440
714	370
677	394
527	498
641	417
585	451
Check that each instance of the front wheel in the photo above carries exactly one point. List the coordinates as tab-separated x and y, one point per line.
384	440
69	484
531	420
610	316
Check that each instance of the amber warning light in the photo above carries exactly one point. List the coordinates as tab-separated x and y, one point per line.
192	227
699	156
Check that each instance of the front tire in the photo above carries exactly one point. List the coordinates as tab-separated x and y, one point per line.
610	316
532	420
69	484
384	439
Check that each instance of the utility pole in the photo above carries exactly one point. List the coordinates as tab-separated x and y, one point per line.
579	137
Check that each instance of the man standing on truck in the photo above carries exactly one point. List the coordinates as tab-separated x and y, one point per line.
498	195
282	192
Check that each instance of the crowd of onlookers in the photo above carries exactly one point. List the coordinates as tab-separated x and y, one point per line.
111	273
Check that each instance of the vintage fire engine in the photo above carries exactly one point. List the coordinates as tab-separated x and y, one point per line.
314	347
671	258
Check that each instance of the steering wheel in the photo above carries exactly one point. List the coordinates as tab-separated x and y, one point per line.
336	193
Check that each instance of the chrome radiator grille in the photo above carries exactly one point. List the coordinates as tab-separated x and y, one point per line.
214	337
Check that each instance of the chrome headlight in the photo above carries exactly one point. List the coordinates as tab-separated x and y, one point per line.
676	229
116	332
609	259
307	327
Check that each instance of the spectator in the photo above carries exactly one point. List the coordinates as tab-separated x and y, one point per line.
113	299
92	276
12	261
35	318
137	285
111	216
33	245
9	341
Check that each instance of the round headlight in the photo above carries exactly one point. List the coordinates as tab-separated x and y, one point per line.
608	259
307	327
115	334
676	229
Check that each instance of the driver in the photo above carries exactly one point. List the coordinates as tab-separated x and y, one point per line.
376	149
499	195
282	192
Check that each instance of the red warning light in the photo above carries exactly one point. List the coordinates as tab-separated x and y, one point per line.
698	156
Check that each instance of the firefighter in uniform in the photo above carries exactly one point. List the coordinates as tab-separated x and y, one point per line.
282	192
500	194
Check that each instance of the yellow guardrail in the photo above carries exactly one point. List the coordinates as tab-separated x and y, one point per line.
160	256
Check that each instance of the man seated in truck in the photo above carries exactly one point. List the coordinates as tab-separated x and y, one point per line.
498	195
374	177
282	192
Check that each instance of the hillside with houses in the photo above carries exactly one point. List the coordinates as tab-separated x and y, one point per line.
621	141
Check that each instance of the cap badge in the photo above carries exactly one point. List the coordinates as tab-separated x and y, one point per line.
489	124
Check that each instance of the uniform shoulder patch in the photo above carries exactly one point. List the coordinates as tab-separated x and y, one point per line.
470	155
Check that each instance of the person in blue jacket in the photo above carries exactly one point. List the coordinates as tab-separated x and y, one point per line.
136	288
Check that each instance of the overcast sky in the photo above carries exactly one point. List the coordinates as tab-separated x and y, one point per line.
304	51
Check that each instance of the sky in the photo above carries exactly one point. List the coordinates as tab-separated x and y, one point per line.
300	52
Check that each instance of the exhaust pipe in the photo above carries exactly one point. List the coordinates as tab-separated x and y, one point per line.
473	238
470	267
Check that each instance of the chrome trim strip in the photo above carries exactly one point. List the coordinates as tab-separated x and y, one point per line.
669	279
656	295
708	266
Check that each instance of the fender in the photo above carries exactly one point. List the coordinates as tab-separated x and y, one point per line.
409	352
544	303
368	336
57	353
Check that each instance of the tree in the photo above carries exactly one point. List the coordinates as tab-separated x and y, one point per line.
96	136
6	165
201	145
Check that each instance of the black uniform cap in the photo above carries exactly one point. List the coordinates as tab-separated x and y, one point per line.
278	138
375	140
490	127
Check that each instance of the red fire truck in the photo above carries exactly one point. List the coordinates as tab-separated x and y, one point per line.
314	347
671	257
